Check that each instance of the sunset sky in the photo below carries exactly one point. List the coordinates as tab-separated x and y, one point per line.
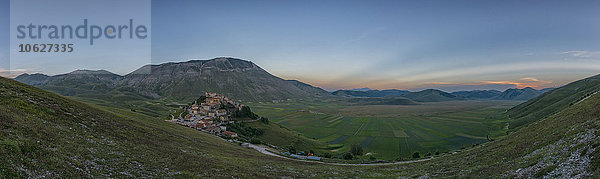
458	45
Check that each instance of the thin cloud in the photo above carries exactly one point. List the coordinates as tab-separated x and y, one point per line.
523	82
487	85
581	54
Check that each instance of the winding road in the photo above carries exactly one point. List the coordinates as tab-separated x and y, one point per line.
263	149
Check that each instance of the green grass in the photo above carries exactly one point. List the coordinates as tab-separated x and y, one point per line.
43	134
392	131
280	136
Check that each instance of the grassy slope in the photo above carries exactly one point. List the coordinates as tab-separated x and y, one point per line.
552	101
120	143
278	135
556	138
43	134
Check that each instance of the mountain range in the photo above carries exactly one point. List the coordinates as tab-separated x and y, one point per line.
183	81
434	95
240	79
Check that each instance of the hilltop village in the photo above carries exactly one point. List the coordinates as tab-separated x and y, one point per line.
221	116
212	114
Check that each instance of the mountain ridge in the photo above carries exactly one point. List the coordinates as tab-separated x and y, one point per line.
182	81
436	95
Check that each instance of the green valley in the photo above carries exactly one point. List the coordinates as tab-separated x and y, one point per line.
392	132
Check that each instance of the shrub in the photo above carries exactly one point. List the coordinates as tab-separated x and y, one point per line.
416	155
355	149
243	130
255	141
264	120
292	149
348	156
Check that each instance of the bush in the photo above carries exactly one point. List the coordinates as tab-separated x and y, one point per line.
355	149
416	155
428	154
292	149
372	158
327	155
264	120
243	130
255	141
348	156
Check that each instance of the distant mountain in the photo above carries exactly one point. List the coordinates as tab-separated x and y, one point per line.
370	93
434	95
74	83
431	95
519	94
477	94
360	89
381	101
183	81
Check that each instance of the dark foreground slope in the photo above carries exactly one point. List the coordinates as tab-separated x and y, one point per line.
42	134
45	135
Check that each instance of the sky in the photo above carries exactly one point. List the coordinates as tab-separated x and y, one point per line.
448	45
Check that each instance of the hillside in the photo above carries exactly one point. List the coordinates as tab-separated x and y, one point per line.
477	94
380	101
180	82
565	144
46	135
519	94
309	88
553	101
430	95
79	82
95	142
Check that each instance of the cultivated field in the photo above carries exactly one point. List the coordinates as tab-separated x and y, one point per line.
392	131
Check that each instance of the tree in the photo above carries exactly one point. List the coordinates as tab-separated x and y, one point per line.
348	156
264	120
244	112
201	99
416	155
327	155
255	141
356	149
292	149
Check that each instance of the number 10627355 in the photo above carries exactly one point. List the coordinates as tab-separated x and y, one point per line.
46	48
